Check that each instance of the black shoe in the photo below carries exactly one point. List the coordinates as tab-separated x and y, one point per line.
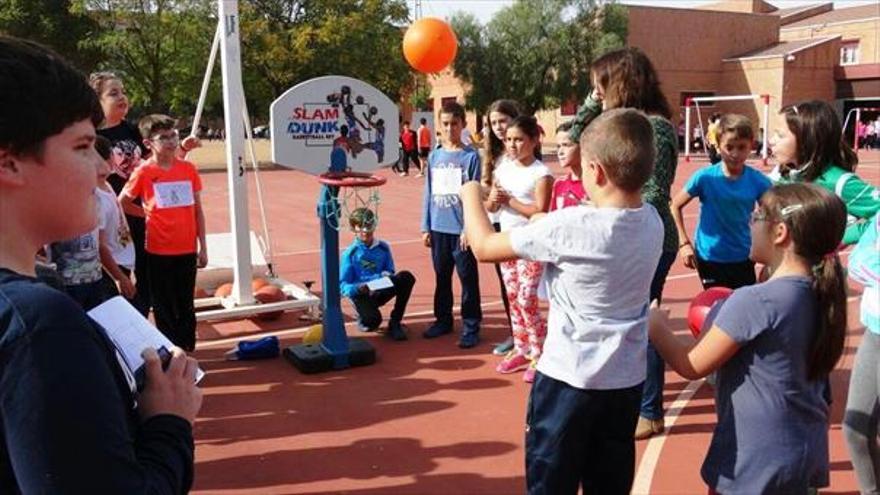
468	340
435	331
396	331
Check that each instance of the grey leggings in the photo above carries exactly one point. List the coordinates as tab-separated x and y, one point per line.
860	423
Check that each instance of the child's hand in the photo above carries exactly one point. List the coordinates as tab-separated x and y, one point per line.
426	239
658	318
499	196
463	242
170	391
203	258
688	257
126	288
190	143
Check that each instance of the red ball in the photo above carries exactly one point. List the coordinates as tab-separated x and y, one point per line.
429	45
701	305
270	294
200	293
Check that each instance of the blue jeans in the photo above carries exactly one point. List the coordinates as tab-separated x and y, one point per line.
652	394
446	253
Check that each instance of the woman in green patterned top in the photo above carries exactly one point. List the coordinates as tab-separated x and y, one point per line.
626	79
809	147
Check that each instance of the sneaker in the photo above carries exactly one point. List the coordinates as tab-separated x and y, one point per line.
529	375
364	328
647	428
512	362
468	340
396	331
504	347
435	331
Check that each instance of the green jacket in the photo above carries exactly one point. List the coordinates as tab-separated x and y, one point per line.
862	200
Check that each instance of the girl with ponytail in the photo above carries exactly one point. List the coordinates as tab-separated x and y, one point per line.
773	345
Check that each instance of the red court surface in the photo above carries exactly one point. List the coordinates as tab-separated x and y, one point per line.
427	417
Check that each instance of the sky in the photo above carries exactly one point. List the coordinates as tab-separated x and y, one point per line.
485	9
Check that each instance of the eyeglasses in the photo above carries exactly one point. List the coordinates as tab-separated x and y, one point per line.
763	216
758	216
167	138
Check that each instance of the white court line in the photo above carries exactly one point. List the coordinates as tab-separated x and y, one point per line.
294	331
651	456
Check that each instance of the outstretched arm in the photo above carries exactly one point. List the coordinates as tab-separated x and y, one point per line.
486	244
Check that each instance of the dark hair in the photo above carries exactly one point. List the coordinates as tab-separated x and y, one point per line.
455	109
622	141
103	146
42	95
738	125
820	142
816	220
153	123
629	80
495	146
564	127
423	121
405	122
714	117
363	218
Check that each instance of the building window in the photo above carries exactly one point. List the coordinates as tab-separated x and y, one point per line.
685	95
849	53
447	99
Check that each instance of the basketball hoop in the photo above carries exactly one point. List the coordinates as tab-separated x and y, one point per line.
351	179
358	191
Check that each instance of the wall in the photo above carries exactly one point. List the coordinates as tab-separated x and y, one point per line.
867	32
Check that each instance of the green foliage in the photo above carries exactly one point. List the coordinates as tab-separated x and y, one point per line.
53	23
535	52
159	48
287	42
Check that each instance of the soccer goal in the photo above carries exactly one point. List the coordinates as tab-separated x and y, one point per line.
857	111
695	103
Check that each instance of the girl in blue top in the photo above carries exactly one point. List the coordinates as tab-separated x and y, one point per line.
773	345
727	191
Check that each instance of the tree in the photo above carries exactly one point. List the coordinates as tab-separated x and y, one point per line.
52	23
535	52
289	41
158	47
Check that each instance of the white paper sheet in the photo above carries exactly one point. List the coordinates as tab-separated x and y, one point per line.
380	283
130	332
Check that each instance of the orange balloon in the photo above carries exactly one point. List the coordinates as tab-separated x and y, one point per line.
429	45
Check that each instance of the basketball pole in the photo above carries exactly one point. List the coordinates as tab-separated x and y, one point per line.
230	64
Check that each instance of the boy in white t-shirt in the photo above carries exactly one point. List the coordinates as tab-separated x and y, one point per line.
600	260
114	239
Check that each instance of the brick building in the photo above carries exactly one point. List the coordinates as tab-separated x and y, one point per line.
738	47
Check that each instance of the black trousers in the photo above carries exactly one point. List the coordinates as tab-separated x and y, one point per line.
173	280
577	437
446	253
730	275
367	305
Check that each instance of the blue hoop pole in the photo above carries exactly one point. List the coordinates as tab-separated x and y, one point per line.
335	340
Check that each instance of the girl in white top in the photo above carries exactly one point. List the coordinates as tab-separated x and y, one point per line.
522	187
500	114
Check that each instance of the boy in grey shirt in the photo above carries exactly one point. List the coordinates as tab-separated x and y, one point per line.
600	261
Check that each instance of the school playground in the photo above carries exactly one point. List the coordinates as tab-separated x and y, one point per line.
428	417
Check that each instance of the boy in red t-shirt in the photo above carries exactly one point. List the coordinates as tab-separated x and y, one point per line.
169	190
567	190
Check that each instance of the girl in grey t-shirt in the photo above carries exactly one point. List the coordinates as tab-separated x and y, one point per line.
773	345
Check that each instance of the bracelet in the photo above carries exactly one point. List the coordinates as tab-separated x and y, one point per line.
683	244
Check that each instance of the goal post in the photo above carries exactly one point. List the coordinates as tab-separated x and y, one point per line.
695	102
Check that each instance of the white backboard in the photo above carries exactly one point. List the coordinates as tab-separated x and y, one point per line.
334	115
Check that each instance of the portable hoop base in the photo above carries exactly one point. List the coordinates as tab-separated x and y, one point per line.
336	351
